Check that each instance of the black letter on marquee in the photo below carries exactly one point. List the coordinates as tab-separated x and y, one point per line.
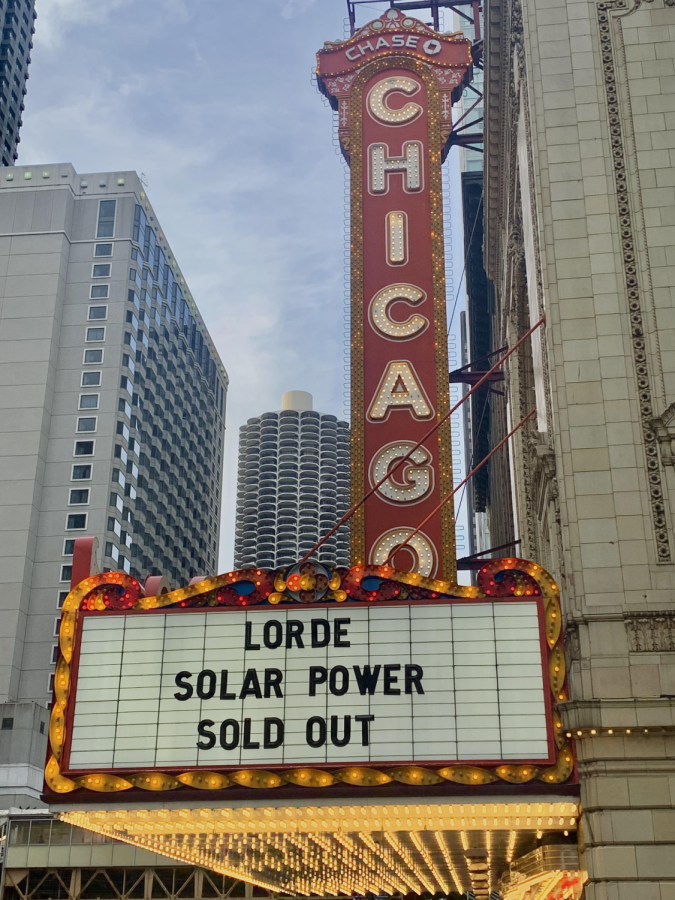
203	731
205	693
234	725
413	676
223	687
391	679
341	632
251	685
317	675
332	684
268	742
248	743
347	734
294	630
181	681
248	643
367	679
321	739
365	730
268	641
273	679
316	640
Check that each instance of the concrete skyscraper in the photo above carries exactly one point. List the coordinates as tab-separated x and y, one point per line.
18	17
112	400
293	485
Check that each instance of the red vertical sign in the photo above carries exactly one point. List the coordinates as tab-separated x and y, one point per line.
393	85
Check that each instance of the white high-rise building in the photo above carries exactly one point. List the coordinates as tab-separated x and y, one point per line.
294	484
112	406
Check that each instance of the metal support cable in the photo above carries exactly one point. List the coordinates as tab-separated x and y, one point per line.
350	512
461	484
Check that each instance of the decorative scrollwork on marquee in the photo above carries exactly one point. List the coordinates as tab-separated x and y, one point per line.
309	583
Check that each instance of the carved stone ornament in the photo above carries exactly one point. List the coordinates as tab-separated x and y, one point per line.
664	426
651	632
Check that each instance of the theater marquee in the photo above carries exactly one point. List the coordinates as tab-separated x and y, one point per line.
310	677
435	682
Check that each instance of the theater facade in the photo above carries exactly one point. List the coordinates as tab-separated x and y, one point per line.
375	729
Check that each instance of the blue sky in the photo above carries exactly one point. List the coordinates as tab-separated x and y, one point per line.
213	101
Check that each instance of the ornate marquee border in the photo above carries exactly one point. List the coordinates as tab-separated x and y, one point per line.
309	583
359	485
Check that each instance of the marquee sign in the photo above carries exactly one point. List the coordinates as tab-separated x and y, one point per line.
309	677
386	684
393	84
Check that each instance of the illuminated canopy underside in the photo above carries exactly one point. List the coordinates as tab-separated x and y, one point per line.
327	850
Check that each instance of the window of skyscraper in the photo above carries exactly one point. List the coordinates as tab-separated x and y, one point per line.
66	573
76	522
91	379
98	312
95	334
81	473
86	424
89	401
79	495
101	270
99	291
84	448
103	250
106	218
93	356
69	546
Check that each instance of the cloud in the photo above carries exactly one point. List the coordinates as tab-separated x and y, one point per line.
292	8
56	17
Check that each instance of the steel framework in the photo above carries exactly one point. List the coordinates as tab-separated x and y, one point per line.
462	134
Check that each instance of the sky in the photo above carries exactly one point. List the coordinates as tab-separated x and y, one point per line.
214	103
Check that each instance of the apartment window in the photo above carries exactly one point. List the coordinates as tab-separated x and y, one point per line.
95	334
135	277
61	599
99	292
116	501
91	379
86	424
103	250
92	356
69	546
124	407
50	682
81	473
55	648
114	525
84	448
7	724
112	551
106	218
66	573
98	312
101	270
89	401
79	496
76	522
131	319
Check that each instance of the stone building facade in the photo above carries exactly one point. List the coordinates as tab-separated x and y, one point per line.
580	227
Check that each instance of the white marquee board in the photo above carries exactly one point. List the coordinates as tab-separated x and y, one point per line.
429	682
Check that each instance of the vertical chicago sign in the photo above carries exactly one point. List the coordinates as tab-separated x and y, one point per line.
393	85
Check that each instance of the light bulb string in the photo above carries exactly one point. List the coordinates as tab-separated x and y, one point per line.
350	512
449	497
